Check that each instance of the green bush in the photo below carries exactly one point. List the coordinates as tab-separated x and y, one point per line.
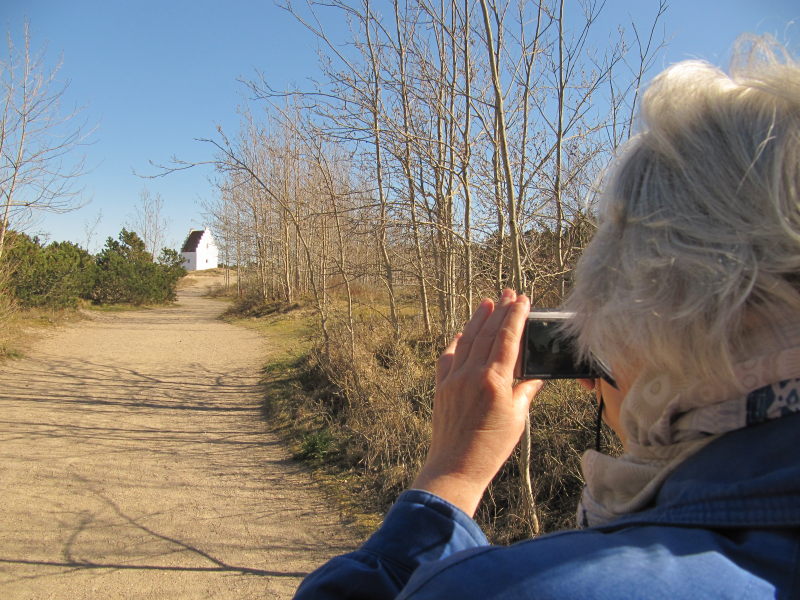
126	272
54	276
60	274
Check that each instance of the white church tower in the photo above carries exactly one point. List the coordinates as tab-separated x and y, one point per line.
200	251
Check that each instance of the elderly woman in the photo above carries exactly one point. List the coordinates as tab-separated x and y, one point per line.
690	292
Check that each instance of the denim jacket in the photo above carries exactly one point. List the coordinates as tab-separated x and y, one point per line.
725	524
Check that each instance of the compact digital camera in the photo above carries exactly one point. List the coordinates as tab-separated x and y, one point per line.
548	353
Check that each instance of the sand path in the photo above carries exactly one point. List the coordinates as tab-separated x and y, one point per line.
134	464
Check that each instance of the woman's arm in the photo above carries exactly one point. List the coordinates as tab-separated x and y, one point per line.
419	529
478	416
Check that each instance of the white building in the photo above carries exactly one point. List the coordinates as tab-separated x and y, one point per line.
200	251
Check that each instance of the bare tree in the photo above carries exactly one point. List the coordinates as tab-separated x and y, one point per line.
38	141
446	153
149	221
90	228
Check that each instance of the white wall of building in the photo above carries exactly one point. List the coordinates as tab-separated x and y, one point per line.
206	255
189	261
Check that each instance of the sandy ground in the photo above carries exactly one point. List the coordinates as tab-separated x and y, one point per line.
134	464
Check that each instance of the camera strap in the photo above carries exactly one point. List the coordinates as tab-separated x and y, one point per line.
598	425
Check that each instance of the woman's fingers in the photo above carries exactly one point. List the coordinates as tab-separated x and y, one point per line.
491	336
471	330
505	348
445	362
485	338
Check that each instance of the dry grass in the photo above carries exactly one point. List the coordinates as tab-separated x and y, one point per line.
19	328
361	418
7	310
379	406
367	418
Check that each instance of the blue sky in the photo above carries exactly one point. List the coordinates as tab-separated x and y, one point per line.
153	75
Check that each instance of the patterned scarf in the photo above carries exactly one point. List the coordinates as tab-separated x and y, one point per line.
667	422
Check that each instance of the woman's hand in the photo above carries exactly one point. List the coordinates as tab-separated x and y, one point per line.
478	413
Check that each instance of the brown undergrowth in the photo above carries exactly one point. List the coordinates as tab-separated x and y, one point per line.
7	334
359	416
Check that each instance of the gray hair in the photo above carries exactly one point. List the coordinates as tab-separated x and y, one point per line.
699	219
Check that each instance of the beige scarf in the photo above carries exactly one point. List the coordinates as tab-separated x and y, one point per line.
666	422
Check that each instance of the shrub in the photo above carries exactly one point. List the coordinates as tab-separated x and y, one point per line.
126	272
54	276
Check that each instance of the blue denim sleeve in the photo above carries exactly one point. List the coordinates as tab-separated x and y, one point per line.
419	528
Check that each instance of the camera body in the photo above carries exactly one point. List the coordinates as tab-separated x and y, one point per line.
548	353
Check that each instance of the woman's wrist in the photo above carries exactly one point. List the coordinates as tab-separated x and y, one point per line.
459	491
